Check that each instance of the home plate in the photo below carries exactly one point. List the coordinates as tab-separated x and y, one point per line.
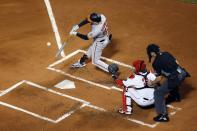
66	84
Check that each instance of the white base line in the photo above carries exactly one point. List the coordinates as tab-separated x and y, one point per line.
173	107
11	88
64	58
84	103
79	78
54	25
55	92
142	123
27	112
69	113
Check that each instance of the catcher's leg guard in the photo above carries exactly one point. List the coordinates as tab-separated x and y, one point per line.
124	100
126	104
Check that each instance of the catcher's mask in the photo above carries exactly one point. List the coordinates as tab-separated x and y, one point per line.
152	48
139	65
94	17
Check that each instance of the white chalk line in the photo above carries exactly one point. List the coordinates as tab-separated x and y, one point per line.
27	112
84	103
79	78
11	88
142	123
55	92
64	58
173	107
54	26
69	113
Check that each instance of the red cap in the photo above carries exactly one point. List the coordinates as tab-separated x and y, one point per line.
139	65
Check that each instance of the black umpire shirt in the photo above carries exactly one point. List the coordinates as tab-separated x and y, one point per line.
164	64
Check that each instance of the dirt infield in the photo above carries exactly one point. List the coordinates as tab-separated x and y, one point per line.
28	98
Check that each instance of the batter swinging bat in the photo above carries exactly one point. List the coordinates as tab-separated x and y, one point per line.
62	48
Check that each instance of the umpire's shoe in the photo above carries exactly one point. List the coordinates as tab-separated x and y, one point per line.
161	118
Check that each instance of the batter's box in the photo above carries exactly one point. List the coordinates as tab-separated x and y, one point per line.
39	101
172	109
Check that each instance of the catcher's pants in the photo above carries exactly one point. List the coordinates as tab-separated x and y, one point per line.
143	97
95	51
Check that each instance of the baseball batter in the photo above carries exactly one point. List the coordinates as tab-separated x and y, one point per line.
135	88
101	39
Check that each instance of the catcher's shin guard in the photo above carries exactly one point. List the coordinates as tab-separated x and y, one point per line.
126	104
124	107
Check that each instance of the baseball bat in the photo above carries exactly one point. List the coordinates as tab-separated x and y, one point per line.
62	48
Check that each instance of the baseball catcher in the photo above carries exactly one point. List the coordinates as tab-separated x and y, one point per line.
135	88
101	39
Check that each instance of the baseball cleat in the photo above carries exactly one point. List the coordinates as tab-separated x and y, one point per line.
121	111
78	65
161	118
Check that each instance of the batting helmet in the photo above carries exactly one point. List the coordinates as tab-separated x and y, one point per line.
95	17
152	48
139	65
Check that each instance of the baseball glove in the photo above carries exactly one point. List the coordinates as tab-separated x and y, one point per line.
113	68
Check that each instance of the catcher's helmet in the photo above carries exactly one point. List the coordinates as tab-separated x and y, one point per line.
152	48
95	17
139	65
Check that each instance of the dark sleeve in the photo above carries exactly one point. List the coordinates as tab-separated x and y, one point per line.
84	22
84	37
157	65
158	71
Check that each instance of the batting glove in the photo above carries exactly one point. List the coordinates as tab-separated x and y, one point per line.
75	28
72	32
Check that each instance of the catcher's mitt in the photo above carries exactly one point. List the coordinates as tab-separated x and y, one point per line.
113	68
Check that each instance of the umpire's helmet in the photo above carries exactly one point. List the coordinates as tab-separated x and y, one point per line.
95	17
152	48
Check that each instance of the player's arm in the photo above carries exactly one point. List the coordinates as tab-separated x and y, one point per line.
83	22
90	35
76	27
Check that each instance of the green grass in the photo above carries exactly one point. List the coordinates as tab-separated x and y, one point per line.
190	1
